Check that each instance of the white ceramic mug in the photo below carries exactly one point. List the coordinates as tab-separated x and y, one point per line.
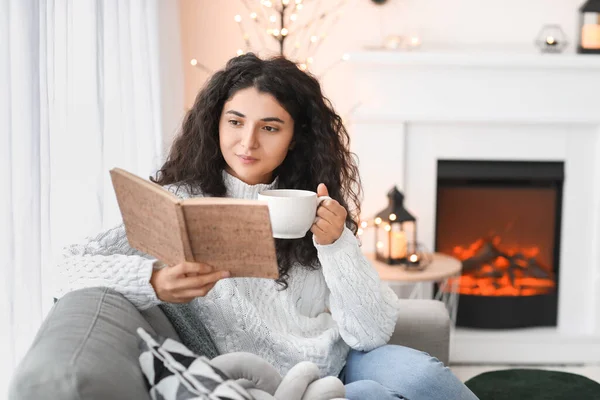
292	211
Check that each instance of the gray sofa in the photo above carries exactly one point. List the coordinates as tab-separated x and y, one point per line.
87	348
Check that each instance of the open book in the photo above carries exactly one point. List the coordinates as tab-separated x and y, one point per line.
229	234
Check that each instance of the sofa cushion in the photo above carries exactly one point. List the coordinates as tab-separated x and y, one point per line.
175	373
192	332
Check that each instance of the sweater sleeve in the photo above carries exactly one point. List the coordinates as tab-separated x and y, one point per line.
107	260
364	308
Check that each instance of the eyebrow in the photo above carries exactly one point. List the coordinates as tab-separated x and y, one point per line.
268	119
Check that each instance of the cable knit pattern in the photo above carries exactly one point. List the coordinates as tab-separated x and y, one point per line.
108	260
365	310
321	315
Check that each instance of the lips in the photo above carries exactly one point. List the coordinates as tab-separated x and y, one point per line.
247	159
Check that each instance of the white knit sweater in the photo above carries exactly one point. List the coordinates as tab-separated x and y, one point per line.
321	315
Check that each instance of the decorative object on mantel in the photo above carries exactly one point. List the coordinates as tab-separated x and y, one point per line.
393	42
409	40
589	28
396	235
399	42
414	41
551	39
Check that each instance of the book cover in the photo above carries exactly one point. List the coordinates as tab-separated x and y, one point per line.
232	235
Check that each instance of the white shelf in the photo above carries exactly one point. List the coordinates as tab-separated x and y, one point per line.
476	58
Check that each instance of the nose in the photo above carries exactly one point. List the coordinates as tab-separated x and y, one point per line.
249	139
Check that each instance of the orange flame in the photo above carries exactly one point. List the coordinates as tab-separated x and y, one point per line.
481	281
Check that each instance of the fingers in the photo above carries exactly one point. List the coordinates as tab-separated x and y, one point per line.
324	224
317	230
334	207
326	217
192	268
322	190
190	294
185	281
184	290
326	213
330	221
196	282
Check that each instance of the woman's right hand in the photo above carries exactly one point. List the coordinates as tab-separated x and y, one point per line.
184	282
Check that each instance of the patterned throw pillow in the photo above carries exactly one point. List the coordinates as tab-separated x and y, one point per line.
175	373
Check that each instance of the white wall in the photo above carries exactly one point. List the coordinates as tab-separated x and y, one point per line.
210	33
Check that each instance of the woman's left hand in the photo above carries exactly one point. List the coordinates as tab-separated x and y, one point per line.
331	219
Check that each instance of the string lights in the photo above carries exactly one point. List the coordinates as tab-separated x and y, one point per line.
297	31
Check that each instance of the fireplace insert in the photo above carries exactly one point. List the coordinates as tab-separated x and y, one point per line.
502	219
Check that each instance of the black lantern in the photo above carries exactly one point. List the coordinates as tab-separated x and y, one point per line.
395	232
589	28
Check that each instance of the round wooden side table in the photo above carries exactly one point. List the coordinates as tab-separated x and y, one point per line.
441	269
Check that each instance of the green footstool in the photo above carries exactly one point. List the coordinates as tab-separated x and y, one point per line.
533	384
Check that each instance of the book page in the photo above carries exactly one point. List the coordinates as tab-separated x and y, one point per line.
150	216
233	235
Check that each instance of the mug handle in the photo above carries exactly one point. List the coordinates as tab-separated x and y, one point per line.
321	199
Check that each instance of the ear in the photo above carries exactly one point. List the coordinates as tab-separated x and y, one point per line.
292	145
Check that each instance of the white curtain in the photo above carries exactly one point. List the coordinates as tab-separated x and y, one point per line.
103	91
80	93
21	207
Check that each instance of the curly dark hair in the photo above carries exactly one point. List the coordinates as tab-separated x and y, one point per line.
320	154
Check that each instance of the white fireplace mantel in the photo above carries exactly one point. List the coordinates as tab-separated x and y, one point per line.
476	86
418	107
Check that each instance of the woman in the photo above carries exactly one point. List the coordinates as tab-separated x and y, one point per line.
259	125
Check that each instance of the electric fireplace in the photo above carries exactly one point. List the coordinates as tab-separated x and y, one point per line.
502	220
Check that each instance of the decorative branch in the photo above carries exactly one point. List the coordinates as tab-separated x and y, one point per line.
256	24
277	18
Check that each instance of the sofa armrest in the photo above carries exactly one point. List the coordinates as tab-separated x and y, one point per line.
423	325
86	348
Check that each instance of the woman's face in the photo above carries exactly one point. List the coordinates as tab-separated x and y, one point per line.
255	133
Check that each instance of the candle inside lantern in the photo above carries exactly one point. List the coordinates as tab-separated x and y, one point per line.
382	249
414	258
398	245
550	41
590	36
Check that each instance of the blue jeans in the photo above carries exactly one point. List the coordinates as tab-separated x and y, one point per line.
398	372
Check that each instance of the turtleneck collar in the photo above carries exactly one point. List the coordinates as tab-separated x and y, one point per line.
240	190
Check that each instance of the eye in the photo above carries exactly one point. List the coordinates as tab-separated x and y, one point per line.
270	128
234	122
